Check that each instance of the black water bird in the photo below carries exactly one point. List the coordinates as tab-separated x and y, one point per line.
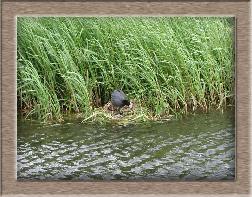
119	99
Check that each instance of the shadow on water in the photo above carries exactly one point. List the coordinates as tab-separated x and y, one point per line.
198	147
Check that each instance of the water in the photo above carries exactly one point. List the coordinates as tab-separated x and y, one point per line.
198	147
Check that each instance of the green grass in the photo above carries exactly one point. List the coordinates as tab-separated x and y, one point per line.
168	65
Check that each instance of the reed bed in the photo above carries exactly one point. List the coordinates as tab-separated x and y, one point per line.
168	65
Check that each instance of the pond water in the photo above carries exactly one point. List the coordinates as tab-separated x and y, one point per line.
198	147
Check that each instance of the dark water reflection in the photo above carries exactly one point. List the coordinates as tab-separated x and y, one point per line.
199	147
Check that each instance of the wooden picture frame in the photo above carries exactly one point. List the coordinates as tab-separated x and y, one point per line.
11	9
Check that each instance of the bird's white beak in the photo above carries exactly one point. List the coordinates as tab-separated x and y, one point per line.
131	105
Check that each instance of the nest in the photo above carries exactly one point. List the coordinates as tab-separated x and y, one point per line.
108	107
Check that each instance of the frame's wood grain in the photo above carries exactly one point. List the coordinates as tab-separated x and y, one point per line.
9	12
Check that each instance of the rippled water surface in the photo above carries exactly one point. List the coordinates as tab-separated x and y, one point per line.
199	147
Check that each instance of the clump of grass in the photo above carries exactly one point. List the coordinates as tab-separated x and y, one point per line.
169	65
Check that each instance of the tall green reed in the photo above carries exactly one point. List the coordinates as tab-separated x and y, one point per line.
168	65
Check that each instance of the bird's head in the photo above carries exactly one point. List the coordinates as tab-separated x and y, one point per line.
126	102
